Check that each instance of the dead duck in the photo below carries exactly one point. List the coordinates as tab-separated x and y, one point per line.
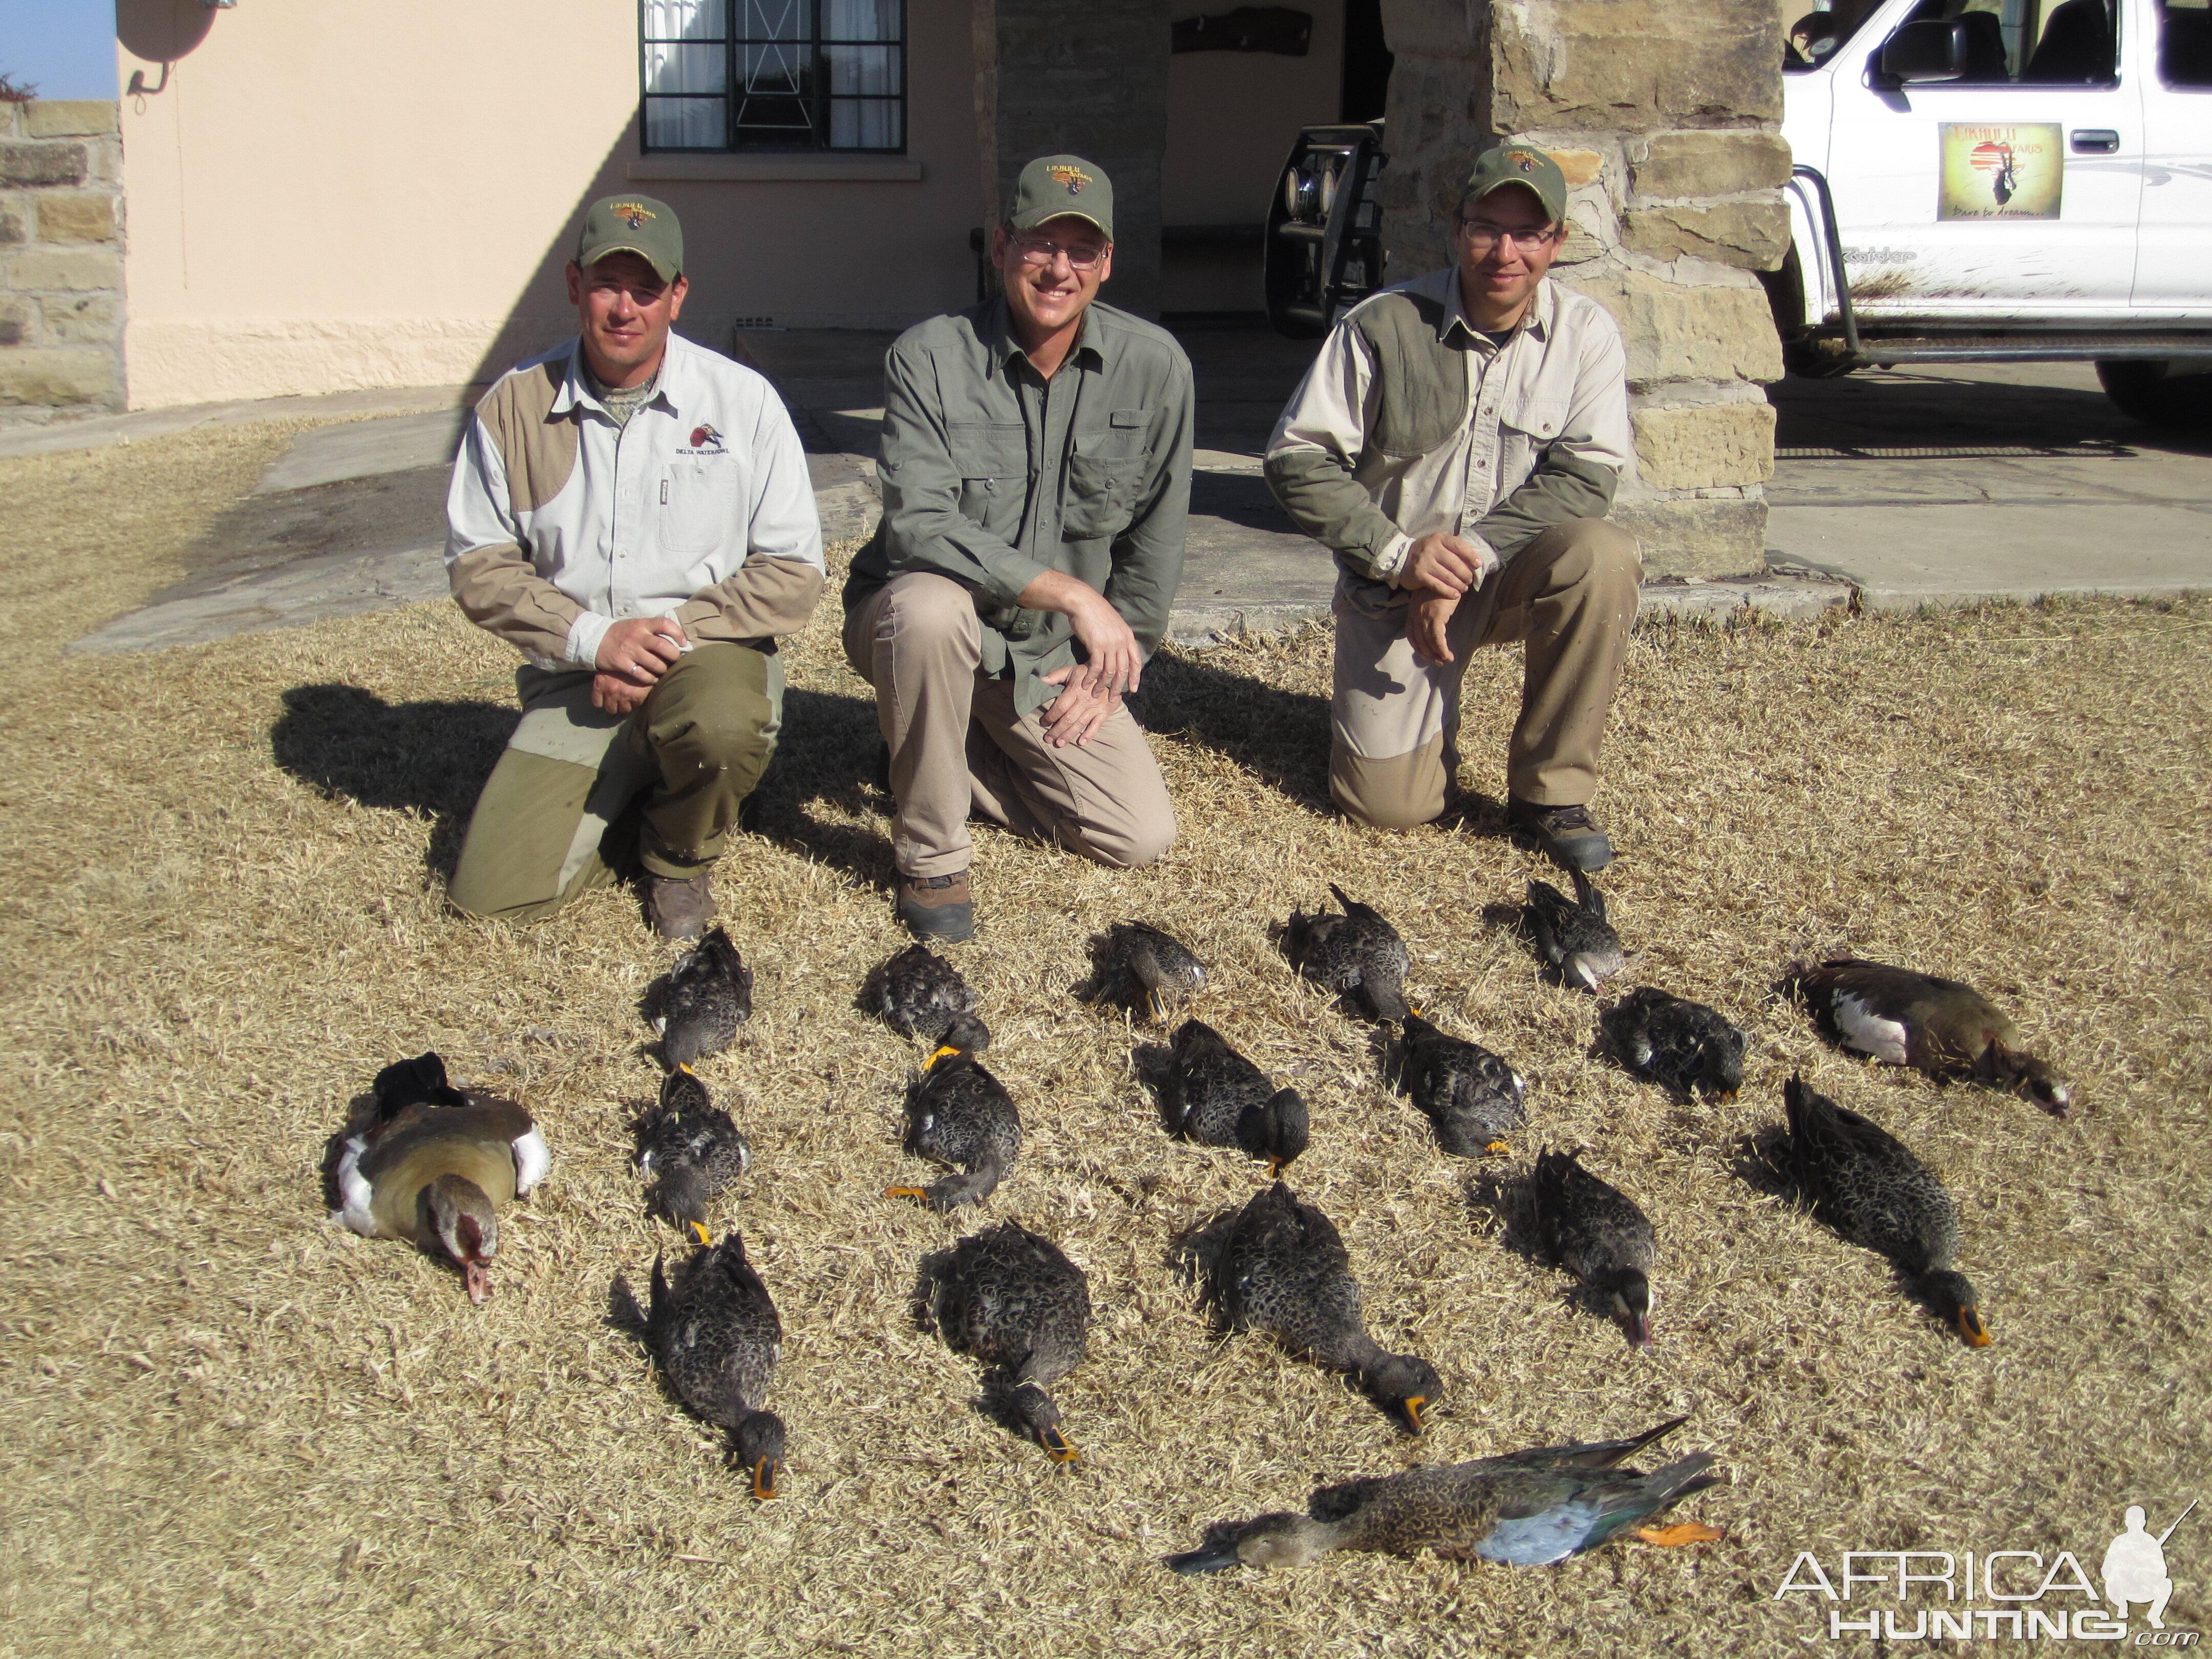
1012	1299
719	1338
1943	1028
958	1114
1219	1098
1358	954
1526	1509
1866	1184
1573	936
1472	1096
1283	1269
1599	1235
919	994
432	1165
690	1149
709	995
1679	1044
1144	968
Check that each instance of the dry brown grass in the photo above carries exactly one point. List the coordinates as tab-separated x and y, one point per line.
230	1427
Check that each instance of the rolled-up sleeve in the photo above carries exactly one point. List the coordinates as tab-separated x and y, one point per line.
924	528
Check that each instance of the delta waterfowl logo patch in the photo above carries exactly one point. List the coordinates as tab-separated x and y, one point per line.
633	214
705	437
1073	177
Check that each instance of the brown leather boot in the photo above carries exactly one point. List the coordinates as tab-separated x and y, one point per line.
680	907
938	908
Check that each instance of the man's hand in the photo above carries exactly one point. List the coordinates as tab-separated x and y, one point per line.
633	656
1075	715
1447	564
1113	660
1427	619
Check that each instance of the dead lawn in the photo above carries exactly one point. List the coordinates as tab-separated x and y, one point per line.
229	1427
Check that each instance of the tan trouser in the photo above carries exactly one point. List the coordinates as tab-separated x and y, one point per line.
957	746
546	828
1569	596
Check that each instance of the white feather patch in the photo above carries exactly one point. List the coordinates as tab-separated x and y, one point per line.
1869	1032
533	1161
358	1195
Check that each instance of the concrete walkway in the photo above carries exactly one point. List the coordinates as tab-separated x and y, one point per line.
1893	490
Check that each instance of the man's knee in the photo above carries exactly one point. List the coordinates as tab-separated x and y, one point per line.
1135	844
920	606
1590	552
715	714
1397	792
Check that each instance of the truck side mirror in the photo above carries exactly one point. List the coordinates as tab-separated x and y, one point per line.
1930	50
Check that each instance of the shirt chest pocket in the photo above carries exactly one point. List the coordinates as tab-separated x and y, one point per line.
1104	468
699	505
992	462
1523	433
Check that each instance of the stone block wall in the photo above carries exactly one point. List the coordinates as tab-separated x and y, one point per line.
1664	115
1077	76
61	260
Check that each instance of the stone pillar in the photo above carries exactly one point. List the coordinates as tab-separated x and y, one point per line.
1664	115
61	260
1090	78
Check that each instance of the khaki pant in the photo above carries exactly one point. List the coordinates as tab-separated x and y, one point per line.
555	814
957	746
1569	596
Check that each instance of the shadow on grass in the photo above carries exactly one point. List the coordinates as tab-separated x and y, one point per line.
1280	737
427	759
827	755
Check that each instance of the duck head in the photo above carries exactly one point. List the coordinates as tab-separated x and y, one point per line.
1283	1127
681	1196
1720	1071
1952	1295
1276	1539
2026	1076
757	1447
966	1035
1632	1302
461	1217
1034	1408
1406	1381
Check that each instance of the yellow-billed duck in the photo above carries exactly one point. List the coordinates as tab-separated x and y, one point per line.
1219	1098
1143	969
432	1165
958	1114
690	1149
919	994
1599	1235
1357	954
719	1338
1866	1184
1012	1299
1573	936
1283	1269
1472	1096
1676	1043
709	994
1904	1017
1526	1509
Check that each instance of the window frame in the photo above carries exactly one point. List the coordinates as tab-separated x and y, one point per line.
820	104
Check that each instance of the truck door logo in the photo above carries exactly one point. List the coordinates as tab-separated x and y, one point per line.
2015	171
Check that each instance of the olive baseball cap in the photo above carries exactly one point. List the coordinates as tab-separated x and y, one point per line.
1055	186
1511	163
633	224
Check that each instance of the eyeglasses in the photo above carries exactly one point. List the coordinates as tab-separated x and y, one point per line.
1082	258
1482	236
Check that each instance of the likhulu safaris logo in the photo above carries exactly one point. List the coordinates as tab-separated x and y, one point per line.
2011	170
2002	1595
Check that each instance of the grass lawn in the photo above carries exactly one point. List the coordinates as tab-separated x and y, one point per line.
228	1426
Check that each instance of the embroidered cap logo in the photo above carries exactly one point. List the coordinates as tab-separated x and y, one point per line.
1073	177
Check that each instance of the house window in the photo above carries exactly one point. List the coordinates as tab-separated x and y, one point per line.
773	74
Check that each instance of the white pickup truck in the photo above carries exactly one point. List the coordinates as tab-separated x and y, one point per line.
2010	181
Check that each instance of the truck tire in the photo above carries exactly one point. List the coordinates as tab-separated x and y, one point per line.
2172	392
1801	352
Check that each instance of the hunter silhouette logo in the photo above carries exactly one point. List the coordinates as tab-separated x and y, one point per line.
1073	177
633	214
2135	1567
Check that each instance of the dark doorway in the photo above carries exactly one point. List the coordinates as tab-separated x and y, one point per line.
1366	62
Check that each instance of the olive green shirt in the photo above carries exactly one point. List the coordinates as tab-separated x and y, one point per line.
992	474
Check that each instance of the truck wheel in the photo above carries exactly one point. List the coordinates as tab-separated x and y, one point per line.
2174	391
1800	351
